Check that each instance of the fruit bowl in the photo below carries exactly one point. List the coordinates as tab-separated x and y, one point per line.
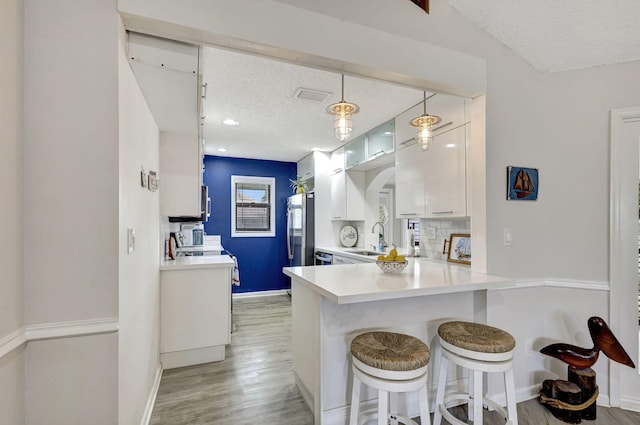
392	266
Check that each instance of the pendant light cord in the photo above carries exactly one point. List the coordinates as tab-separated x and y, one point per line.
424	102
342	88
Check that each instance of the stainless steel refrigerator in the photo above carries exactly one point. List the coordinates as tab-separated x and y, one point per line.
300	224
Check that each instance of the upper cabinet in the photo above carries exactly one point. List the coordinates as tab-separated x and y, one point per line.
433	184
355	152
380	140
167	73
445	175
306	170
452	110
347	190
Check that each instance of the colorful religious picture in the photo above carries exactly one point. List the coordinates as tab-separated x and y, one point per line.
522	184
459	248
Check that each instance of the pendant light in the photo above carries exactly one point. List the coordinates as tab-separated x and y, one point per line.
424	123
342	112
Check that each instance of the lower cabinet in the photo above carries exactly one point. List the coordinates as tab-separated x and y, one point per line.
195	315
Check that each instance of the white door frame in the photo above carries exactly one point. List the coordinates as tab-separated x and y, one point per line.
624	382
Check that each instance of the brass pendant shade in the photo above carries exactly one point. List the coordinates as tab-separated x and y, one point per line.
342	113
424	123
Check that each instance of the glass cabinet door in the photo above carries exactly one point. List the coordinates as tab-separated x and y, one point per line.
355	152
380	140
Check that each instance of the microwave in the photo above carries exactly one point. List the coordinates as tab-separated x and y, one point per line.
205	209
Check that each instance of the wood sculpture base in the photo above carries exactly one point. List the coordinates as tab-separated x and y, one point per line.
574	399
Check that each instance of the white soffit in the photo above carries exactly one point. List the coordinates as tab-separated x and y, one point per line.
561	35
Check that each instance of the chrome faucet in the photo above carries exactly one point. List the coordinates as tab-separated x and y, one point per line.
383	243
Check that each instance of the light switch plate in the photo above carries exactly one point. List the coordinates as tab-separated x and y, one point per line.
507	236
131	240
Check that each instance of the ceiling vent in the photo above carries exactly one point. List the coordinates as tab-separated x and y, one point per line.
309	94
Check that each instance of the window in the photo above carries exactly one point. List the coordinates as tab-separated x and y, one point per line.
253	206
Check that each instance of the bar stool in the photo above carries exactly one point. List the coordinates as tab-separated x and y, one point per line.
391	363
479	348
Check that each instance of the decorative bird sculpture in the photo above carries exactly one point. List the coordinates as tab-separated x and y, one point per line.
603	340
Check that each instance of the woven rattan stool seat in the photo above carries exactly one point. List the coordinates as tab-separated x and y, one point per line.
477	337
390	351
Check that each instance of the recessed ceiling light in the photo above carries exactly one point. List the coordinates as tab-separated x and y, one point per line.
222	149
450	145
230	121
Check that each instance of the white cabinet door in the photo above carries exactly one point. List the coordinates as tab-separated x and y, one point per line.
404	133
195	308
337	160
445	175
410	169
306	167
338	196
345	260
451	109
180	174
347	195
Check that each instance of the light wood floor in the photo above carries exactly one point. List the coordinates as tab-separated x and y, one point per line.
255	385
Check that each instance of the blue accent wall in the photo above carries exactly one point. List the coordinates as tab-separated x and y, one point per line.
260	260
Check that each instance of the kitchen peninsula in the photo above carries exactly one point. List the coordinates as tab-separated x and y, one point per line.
333	304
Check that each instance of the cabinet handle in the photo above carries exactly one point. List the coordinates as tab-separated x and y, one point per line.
378	153
409	213
442	212
408	141
337	170
337	217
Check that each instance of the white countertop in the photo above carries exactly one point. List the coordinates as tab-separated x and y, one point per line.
353	283
197	262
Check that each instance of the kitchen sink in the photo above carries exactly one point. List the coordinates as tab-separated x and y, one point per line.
367	253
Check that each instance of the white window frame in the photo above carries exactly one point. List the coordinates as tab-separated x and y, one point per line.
271	181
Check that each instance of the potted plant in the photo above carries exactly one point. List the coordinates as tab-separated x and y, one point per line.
298	185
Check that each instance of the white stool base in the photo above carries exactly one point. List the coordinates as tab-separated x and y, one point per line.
387	389
476	401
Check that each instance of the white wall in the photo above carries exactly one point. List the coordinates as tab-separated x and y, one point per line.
11	209
138	359
71	206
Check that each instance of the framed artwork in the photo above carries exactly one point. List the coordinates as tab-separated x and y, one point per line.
522	184
459	248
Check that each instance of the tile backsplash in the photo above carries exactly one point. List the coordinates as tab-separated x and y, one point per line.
432	248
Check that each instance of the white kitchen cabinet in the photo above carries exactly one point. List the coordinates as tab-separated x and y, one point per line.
453	111
410	190
445	175
195	315
380	140
180	174
347	195
404	133
306	167
432	184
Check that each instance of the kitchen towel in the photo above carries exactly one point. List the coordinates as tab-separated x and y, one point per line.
235	275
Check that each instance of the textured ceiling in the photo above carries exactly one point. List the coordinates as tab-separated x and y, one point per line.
561	35
259	93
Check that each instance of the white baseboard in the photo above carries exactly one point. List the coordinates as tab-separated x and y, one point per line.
151	400
629	404
261	293
306	394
